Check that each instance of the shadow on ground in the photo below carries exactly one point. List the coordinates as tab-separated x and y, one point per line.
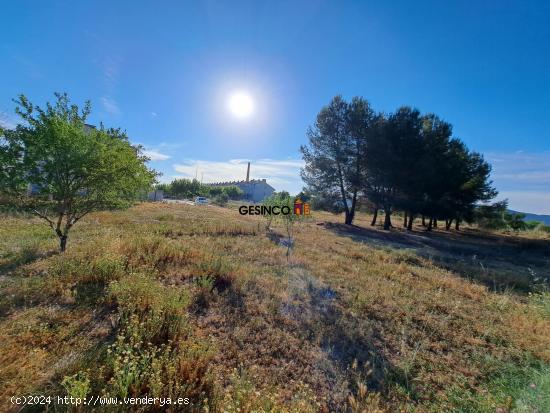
500	262
26	255
346	340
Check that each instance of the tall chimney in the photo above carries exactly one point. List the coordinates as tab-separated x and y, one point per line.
248	173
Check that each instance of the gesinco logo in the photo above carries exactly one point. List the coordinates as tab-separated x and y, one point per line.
300	208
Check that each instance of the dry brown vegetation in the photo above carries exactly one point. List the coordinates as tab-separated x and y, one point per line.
177	300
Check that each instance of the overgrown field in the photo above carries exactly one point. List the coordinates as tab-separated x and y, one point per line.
184	301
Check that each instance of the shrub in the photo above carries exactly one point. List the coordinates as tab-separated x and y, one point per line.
233	192
241	395
215	191
77	385
221	199
172	369
218	269
160	309
153	354
157	252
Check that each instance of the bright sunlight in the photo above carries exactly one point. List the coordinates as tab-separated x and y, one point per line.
241	105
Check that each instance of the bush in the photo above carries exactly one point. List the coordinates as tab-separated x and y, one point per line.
153	355
214	191
233	192
172	369
515	221
157	252
161	310
221	199
77	385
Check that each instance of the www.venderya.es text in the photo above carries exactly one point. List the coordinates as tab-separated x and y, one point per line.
98	400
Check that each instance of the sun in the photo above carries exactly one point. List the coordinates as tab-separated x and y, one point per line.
241	105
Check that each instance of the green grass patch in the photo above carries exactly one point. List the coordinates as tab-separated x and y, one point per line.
511	388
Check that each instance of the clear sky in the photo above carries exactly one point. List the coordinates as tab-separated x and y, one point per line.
164	71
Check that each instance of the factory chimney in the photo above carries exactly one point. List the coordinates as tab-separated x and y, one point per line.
248	173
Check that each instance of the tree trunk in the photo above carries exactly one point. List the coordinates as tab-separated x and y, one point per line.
405	220
410	223
423	221
350	214
343	193
349	218
448	224
435	222
387	219
457	224
62	243
374	218
430	224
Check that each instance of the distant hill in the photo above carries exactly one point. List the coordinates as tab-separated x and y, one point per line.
545	219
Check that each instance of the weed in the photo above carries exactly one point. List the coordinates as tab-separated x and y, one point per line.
159	309
511	388
204	286
241	395
444	334
363	401
541	302
77	385
171	369
216	270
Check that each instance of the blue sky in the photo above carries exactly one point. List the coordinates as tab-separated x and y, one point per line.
164	71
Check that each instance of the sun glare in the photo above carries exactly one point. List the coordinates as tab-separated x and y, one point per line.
241	105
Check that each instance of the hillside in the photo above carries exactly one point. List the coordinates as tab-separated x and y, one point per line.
174	300
545	219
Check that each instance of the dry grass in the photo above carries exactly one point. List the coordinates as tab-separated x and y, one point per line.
198	301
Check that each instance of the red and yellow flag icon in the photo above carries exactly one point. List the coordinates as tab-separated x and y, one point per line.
301	208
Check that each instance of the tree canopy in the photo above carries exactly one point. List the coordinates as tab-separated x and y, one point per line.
189	188
403	161
334	164
61	169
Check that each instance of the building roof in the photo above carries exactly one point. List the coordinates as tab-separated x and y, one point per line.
252	181
237	183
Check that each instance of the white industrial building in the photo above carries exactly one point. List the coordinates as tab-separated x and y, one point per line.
255	190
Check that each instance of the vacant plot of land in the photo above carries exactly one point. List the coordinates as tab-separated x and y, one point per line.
184	301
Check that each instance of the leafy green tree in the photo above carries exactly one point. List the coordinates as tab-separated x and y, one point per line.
403	161
516	221
497	216
275	199
432	171
404	130
491	216
392	156
281	194
233	192
164	188
304	196
59	168
214	191
186	188
334	157
469	182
